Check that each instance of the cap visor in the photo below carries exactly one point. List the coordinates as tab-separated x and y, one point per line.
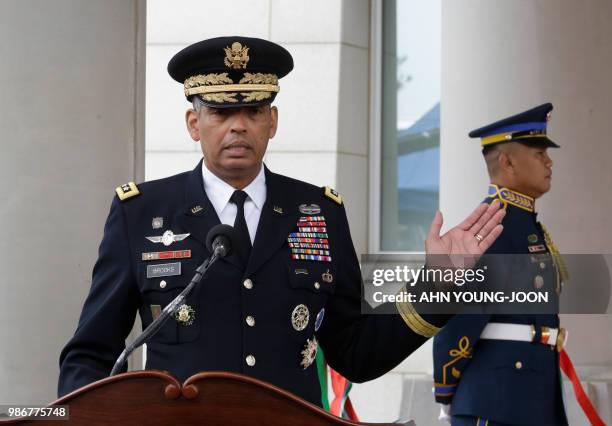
537	142
238	104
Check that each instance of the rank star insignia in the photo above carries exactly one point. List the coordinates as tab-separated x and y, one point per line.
309	353
185	315
237	56
300	317
127	190
333	195
167	238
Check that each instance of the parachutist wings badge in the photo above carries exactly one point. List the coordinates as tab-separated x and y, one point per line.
167	238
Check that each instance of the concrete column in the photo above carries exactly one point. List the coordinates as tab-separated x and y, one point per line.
388	139
72	128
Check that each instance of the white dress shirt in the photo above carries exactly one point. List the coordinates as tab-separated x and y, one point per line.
220	192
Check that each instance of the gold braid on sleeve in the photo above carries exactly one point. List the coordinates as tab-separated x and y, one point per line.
415	321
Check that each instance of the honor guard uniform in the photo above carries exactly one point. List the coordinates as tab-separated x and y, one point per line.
264	315
504	369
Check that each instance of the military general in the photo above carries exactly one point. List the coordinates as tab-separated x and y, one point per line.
290	288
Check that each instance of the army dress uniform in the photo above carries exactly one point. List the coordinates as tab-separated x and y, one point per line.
264	316
504	368
257	319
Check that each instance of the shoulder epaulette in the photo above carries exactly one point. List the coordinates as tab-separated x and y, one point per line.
127	190
333	195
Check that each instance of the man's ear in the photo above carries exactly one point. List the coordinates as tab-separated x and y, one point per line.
504	161
192	120
273	121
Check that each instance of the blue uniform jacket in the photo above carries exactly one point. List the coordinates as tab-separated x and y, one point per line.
361	347
505	381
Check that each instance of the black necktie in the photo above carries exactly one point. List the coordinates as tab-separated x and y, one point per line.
238	198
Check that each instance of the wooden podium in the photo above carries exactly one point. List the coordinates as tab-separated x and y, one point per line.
214	398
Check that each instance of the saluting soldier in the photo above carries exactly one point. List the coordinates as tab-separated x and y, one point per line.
504	369
262	311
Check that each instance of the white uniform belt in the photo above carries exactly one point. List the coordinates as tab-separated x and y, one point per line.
524	333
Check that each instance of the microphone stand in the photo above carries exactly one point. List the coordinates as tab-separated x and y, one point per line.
168	311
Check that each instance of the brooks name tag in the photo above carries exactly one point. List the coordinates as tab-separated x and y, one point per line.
164	270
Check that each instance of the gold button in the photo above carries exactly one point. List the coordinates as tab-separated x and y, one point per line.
518	365
250	360
317	285
162	284
250	321
248	284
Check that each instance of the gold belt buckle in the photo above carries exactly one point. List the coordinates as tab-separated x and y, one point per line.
561	338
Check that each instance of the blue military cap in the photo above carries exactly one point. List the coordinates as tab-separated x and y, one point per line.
528	127
231	71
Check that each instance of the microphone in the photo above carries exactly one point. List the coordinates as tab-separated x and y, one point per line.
219	242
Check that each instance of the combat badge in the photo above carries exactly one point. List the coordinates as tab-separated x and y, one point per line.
185	315
167	238
300	317
309	209
309	353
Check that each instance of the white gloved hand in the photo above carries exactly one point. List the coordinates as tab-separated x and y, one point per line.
445	412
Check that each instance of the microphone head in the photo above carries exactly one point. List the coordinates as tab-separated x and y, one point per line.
221	235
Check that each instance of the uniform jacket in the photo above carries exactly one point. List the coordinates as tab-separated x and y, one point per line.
505	381
360	347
